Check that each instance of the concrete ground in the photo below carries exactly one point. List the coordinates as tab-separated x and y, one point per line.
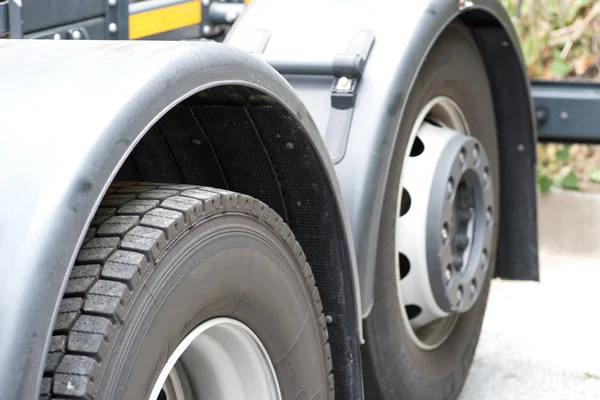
541	340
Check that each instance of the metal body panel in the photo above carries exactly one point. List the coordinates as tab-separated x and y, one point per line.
567	111
3	17
58	19
64	136
117	16
404	33
91	29
15	18
38	15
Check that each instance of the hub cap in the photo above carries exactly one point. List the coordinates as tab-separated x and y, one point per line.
445	227
220	359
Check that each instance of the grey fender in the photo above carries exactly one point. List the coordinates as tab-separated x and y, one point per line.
71	113
404	33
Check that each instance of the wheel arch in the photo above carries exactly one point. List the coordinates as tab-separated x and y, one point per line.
81	140
517	136
495	37
402	42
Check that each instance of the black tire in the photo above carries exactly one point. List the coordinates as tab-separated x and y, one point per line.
159	260
395	367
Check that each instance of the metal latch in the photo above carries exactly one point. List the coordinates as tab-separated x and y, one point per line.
348	69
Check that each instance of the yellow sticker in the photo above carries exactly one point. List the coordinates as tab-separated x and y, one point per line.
164	19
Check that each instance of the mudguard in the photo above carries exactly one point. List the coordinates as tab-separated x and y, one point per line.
317	30
71	112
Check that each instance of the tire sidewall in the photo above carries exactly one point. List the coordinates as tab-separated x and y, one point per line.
231	266
410	371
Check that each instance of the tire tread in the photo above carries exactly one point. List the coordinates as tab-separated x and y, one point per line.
133	227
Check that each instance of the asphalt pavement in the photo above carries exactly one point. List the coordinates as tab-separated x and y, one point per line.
541	341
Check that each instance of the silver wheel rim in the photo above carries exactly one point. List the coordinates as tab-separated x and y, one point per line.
441	264
220	359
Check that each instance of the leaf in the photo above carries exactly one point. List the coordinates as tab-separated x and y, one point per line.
563	154
570	181
559	67
594	175
557	181
545	183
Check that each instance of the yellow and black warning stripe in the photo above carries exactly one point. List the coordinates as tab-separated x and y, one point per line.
165	19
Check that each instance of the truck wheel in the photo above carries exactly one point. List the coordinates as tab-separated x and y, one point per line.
184	292
439	232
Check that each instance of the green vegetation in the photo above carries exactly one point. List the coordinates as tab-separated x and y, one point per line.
560	39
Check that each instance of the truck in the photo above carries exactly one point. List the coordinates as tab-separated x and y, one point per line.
273	200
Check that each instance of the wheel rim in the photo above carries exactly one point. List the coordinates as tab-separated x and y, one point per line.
220	359
442	264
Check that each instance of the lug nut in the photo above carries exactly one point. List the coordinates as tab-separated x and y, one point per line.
461	242
462	156
484	259
489	215
485	176
476	153
444	232
450	186
448	273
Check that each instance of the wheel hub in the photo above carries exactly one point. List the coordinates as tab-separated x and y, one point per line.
459	220
220	359
445	227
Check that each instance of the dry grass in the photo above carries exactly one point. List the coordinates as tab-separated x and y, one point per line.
560	39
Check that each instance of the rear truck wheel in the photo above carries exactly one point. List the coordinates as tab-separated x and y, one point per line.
183	292
438	234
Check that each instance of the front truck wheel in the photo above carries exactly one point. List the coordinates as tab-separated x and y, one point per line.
183	292
438	234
